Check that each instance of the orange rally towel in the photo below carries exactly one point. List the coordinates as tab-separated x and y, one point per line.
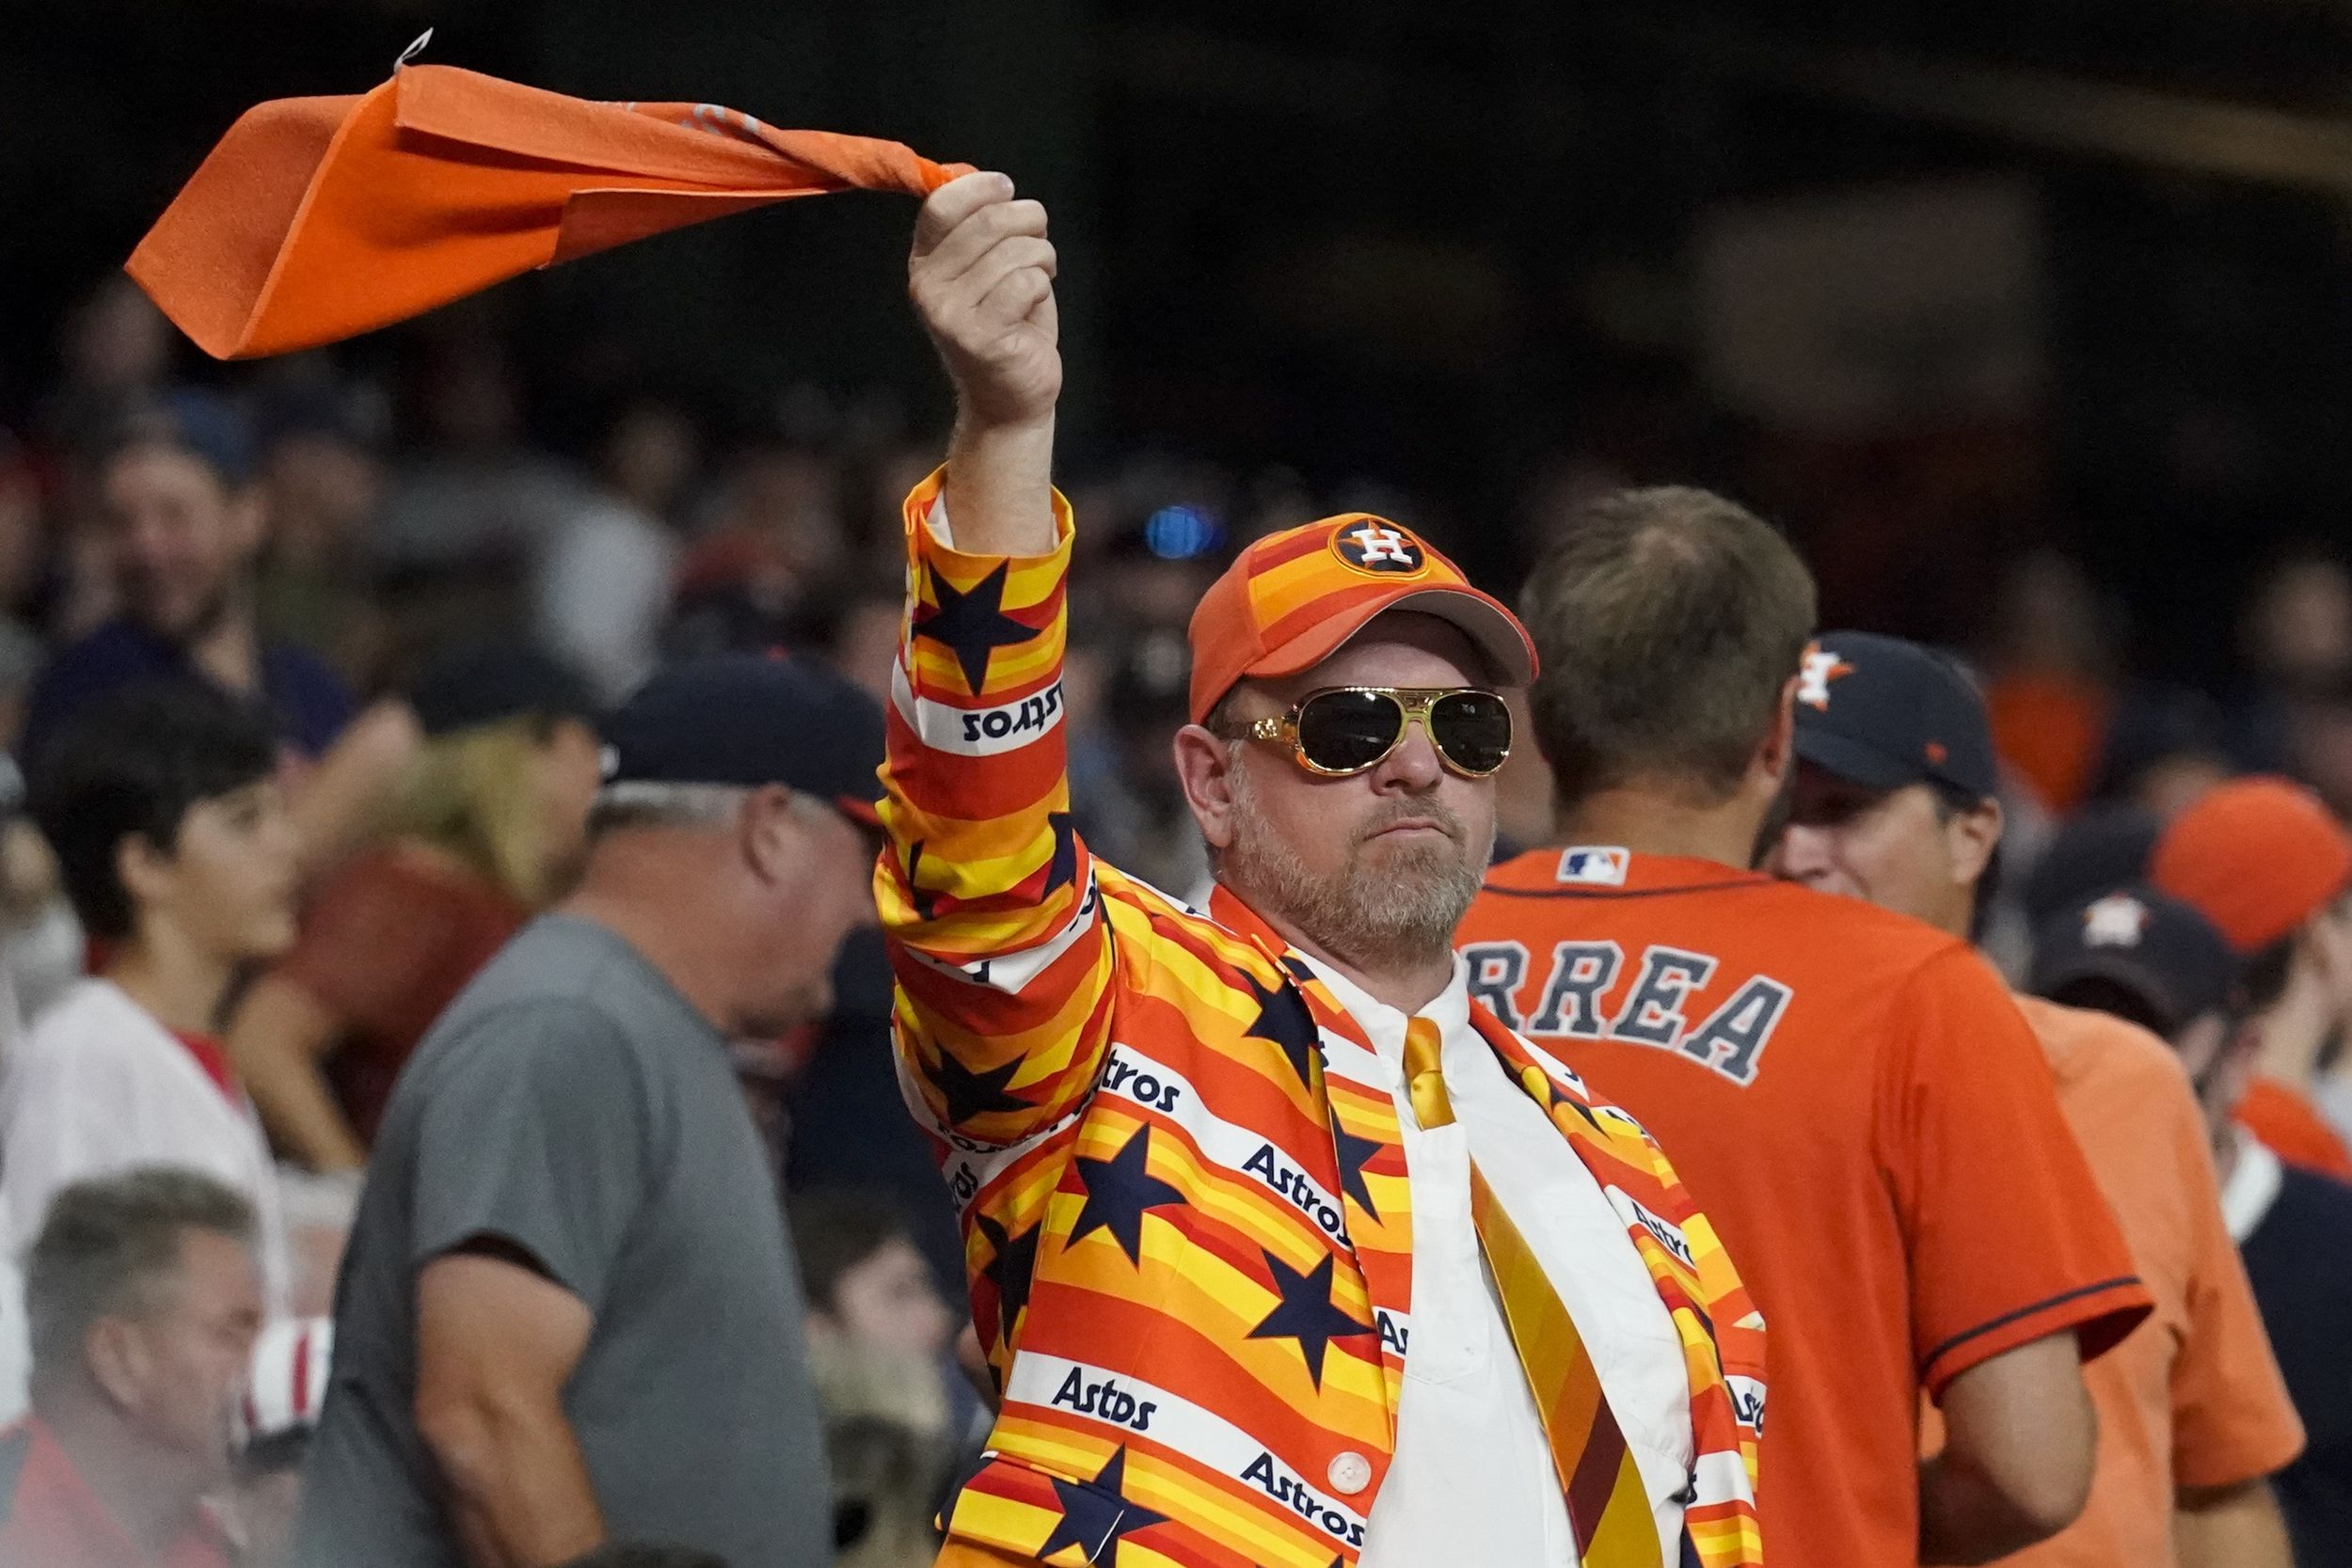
319	218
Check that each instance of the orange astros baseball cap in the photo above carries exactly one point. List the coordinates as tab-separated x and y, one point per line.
1291	599
2257	857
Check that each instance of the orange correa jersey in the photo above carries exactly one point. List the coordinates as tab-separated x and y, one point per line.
1856	1102
1185	1199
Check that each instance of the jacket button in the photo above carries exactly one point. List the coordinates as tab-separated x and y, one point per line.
1350	1473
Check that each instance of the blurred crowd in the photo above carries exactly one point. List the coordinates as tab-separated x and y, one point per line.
392	599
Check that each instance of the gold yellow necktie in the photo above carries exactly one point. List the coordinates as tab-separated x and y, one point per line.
1608	1505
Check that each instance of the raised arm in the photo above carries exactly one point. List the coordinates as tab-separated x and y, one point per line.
981	277
996	934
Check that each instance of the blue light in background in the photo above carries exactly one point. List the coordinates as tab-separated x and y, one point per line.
1182	533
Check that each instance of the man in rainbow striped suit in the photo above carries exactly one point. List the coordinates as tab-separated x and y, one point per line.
1283	1251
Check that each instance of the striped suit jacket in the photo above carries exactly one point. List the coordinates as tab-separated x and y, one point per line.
1184	1196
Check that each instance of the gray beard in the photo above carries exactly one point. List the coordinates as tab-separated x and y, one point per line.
1401	916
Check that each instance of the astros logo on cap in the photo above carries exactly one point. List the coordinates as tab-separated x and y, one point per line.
1381	549
1821	668
2119	920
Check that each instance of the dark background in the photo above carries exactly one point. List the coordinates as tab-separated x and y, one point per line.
1441	248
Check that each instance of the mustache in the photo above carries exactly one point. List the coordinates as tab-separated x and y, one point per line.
1428	810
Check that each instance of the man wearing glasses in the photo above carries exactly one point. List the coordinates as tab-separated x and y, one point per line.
1283	1251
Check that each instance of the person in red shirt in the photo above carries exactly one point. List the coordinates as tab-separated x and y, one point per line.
1859	1106
2271	868
488	827
145	1298
1895	803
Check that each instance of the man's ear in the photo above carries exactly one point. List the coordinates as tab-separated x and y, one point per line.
1970	838
1776	754
1205	765
116	1354
768	833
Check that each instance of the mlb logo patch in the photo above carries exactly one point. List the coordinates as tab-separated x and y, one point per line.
1590	867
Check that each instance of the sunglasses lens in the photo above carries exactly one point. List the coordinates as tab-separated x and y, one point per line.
1473	729
1341	732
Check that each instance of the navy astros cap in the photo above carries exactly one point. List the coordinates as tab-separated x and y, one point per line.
1882	713
750	720
483	682
2100	847
2161	952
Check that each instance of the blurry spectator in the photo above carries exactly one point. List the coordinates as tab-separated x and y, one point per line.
2296	637
2265	862
2164	746
474	496
322	478
2323	746
182	524
2294	1228
178	852
878	1335
1123	789
569	1306
2299	623
867	1284
485	832
115	353
890	1475
604	577
145	1302
291	1364
2049	669
849	1126
24	567
2131	952
2099	848
854	623
1894	803
776	535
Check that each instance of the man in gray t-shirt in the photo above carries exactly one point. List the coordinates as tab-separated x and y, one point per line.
569	1313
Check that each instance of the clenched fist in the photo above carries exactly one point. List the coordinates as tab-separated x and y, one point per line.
981	277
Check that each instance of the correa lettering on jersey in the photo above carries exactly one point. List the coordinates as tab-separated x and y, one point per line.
1105	1399
1288	1490
1571	1004
1267	1166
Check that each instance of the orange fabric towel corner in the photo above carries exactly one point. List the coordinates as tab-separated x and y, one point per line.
316	219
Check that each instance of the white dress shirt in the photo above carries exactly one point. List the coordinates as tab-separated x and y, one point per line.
97	1088
1472	1481
2255	1178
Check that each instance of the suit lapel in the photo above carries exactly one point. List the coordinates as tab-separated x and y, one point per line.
1363	1158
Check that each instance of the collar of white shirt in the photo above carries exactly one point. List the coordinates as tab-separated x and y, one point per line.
1385	1025
2254	1185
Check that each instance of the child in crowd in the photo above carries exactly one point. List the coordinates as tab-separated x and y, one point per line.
877	1336
171	833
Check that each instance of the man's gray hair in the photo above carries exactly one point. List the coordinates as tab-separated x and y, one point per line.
637	803
110	1247
640	803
